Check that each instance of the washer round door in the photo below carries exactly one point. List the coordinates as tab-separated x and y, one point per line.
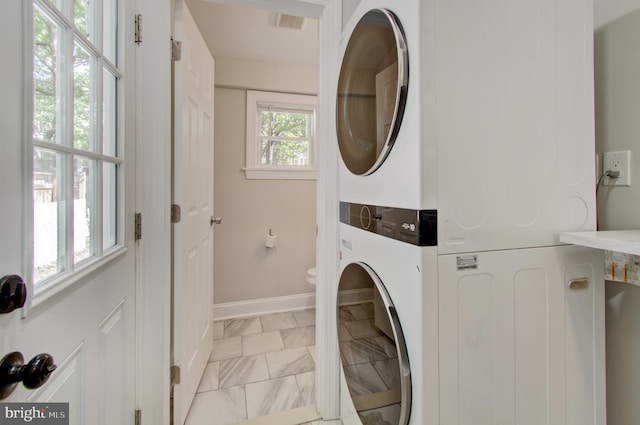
373	351
372	91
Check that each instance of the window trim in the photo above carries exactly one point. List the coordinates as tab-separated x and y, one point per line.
253	169
50	286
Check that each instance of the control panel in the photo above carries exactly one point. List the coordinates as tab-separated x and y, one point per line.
417	227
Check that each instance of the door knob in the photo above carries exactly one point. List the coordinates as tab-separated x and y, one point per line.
13	293
32	375
215	220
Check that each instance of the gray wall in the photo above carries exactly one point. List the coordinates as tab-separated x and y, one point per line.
617	90
617	73
243	268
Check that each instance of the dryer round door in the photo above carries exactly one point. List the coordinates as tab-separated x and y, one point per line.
372	91
373	351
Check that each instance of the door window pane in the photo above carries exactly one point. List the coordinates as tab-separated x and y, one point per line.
48	214
109	205
109	108
82	99
84	171
46	78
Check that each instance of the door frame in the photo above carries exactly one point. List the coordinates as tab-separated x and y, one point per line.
153	200
154	177
328	252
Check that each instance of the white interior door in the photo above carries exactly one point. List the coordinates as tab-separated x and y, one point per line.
84	316
193	192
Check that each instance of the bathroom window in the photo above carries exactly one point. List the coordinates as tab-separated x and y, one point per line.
281	135
77	160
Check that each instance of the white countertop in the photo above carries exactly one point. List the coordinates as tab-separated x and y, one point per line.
627	241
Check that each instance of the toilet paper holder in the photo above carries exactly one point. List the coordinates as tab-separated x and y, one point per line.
270	240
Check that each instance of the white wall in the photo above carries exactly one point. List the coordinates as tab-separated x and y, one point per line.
348	7
244	269
617	84
258	75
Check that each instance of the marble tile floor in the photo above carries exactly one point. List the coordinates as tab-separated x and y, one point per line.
266	364
259	366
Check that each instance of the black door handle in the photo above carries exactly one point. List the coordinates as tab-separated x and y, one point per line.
13	293
32	375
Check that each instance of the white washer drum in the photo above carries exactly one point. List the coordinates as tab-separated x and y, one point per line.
372	91
373	351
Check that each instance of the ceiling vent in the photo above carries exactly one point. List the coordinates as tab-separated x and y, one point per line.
289	21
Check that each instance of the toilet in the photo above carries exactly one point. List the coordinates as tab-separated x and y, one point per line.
311	276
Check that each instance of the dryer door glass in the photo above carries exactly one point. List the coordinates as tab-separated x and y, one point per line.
372	89
373	351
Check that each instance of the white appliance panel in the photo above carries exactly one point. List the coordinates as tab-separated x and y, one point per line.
515	158
522	337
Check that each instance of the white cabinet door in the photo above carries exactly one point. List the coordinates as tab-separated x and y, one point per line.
88	326
518	344
193	191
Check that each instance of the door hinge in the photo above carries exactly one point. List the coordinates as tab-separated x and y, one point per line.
175	375
138	417
138	226
176	213
176	50
138	28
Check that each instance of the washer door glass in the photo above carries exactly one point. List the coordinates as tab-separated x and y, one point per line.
373	351
372	89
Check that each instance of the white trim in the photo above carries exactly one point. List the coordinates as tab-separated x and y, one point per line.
284	304
278	174
153	199
27	153
48	289
263	306
327	353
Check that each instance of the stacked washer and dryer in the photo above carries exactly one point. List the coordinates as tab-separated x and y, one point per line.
466	135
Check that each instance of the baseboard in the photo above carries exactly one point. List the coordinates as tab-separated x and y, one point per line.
288	303
263	306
